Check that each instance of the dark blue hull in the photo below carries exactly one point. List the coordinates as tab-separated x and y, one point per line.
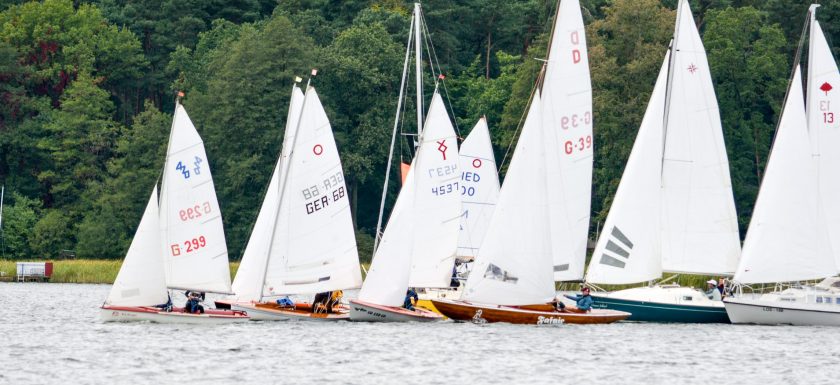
662	312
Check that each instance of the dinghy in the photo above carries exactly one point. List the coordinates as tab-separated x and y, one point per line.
418	246
793	234
516	266
479	186
303	242
140	289
674	209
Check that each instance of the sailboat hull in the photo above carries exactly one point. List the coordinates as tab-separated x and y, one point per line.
663	304
267	311
757	311
529	315
368	312
151	314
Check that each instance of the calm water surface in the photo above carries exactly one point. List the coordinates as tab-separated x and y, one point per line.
51	333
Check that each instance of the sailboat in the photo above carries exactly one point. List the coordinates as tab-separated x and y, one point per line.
479	188
793	234
303	241
516	265
179	244
674	209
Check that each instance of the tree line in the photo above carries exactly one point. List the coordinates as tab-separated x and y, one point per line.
87	91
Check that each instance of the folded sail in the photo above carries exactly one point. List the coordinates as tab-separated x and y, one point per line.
314	245
513	265
629	248
567	123
787	239
479	188
824	128
699	224
193	239
141	280
248	283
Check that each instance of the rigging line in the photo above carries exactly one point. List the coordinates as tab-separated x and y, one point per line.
434	61
513	139
377	235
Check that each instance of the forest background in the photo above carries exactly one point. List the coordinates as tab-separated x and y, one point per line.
87	90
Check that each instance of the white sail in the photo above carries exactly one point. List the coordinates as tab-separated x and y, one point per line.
437	201
567	113
193	239
699	224
419	243
629	248
314	244
248	283
824	128
787	239
387	279
141	280
479	188
513	265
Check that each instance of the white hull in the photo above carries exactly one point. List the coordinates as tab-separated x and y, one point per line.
259	314
121	315
758	311
365	312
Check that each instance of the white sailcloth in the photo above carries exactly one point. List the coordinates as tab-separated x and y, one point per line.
141	280
248	283
629	248
193	239
419	244
567	113
513	265
824	128
699	224
787	239
314	244
479	188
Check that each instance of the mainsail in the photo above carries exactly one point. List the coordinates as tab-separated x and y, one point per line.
479	188
419	244
567	121
824	128
141	280
248	283
193	239
313	246
787	239
699	224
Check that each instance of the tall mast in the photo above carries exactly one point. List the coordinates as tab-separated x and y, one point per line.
418	68
671	62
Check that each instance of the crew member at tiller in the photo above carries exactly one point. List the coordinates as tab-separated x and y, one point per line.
583	301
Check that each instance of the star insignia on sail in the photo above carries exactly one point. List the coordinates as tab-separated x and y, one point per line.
825	87
692	68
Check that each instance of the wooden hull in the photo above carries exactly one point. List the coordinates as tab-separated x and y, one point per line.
529	315
650	311
369	312
269	311
177	315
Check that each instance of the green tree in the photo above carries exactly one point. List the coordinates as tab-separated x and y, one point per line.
19	217
51	234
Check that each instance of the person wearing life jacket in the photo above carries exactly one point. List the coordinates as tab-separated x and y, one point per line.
410	299
193	302
335	300
321	303
583	301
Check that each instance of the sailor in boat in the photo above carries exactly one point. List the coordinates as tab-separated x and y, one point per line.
194	300
411	298
582	301
321	303
165	306
713	293
455	281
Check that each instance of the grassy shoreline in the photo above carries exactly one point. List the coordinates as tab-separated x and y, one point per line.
87	270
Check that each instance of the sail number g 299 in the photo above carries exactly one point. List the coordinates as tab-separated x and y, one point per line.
194	212
189	246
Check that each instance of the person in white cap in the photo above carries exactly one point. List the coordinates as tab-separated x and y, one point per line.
713	293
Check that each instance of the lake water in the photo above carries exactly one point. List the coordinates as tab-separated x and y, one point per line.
51	333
